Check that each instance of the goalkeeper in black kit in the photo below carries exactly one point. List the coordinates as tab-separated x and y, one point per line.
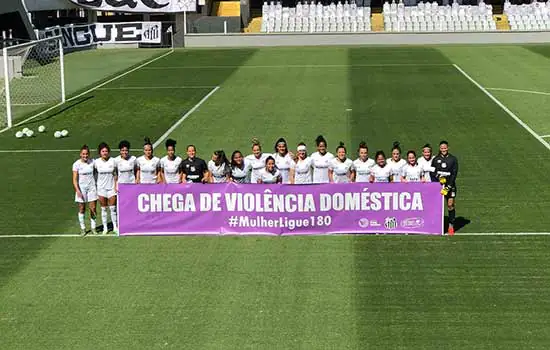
445	170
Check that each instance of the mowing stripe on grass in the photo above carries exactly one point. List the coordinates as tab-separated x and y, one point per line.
155	87
185	116
90	90
305	66
522	91
504	108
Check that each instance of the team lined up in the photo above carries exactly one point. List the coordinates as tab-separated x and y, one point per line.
98	179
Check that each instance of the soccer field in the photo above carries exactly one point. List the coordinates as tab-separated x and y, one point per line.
490	102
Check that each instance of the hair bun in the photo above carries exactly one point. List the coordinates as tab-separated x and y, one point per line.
396	144
147	140
341	144
255	141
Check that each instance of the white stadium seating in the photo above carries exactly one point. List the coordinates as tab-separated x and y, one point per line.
528	17
430	17
313	18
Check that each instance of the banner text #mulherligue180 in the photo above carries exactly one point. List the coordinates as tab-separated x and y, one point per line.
415	208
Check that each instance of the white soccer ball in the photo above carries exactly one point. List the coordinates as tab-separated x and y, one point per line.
29	133
19	134
25	130
64	133
41	128
57	134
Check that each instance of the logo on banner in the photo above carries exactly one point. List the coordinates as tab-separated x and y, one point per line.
143	6
151	32
364	223
412	223
390	223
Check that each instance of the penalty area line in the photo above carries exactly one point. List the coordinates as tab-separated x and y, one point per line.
503	107
185	116
90	90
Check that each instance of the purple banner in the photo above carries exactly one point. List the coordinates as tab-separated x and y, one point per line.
355	208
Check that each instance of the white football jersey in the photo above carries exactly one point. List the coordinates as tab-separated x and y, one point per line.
219	173
126	169
396	168
85	172
148	169
381	174
303	171
320	164
269	178
241	175
256	164
426	164
412	173
341	170
284	164
362	169
171	169
105	173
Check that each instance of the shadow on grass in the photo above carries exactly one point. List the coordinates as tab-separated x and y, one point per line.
16	253
460	222
59	111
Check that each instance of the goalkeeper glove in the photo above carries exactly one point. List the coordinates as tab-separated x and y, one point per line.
443	180
445	190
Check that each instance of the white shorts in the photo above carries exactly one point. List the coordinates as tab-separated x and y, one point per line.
101	192
89	195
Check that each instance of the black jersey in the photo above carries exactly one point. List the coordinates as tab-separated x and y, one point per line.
194	169
447	167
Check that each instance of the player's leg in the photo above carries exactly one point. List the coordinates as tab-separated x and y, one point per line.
104	203
452	214
112	209
81	214
92	199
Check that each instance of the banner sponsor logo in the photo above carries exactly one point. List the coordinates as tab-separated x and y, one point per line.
142	6
280	209
76	36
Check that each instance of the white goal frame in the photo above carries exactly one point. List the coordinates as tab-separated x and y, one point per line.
5	63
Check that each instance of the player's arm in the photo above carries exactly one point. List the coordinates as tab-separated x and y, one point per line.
75	183
205	173
115	178
159	174
161	177
351	174
454	173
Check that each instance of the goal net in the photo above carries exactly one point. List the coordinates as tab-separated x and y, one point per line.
32	77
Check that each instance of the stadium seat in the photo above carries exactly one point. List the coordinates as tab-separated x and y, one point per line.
528	17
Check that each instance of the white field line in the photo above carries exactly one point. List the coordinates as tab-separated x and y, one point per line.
154	87
545	136
286	237
91	89
185	116
522	91
305	66
509	112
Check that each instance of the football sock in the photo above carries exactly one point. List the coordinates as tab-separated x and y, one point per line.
81	221
452	217
104	218
112	208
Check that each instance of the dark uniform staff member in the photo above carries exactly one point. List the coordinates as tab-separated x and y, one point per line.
445	171
193	169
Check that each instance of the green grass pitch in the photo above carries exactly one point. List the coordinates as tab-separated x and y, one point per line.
329	292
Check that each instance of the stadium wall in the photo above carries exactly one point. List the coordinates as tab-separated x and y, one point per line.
379	38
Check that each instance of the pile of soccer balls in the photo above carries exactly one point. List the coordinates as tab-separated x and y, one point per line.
26	132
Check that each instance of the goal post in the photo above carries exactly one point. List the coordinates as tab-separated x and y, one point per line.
33	76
